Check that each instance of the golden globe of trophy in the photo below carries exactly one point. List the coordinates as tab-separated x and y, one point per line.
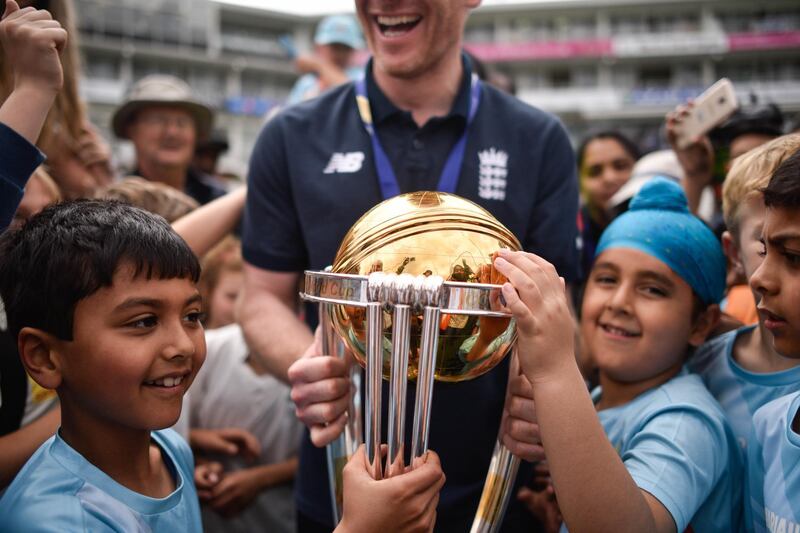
413	294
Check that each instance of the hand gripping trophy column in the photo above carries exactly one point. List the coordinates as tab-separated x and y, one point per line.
413	294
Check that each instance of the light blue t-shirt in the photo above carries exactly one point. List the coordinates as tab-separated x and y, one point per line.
307	85
739	391
773	469
676	444
58	490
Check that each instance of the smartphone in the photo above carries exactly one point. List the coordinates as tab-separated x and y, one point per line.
712	108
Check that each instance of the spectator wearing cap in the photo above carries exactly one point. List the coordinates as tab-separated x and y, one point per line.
164	122
336	41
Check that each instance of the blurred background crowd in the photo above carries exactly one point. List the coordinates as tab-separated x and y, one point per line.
597	64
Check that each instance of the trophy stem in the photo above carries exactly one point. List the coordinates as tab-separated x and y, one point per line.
336	451
399	381
424	397
373	388
496	490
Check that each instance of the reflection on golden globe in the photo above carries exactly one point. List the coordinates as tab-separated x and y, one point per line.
430	233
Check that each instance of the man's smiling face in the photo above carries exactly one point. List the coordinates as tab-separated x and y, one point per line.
409	38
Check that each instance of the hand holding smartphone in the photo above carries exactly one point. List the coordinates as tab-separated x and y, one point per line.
709	110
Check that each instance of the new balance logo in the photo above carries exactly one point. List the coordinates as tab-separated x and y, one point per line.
344	163
493	172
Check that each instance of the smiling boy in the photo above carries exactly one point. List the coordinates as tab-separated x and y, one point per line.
102	299
651	449
773	502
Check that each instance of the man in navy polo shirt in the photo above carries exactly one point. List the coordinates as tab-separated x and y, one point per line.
424	124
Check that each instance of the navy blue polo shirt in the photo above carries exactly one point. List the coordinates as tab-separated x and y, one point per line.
312	176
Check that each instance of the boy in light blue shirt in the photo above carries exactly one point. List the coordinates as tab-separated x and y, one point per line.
742	368
102	299
773	474
651	449
773	489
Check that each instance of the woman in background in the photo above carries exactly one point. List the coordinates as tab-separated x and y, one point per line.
605	163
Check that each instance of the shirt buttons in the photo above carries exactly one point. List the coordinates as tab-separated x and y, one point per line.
417	144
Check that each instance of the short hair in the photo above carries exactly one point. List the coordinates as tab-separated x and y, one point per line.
783	190
751	173
153	196
70	250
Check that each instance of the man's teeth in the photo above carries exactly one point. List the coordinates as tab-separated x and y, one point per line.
396	21
166	382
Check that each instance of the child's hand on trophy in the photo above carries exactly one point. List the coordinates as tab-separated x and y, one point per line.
537	298
321	392
404	503
519	429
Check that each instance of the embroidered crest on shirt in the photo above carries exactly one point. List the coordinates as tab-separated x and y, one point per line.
344	163
493	171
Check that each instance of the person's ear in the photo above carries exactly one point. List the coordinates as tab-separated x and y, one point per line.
704	325
39	353
732	252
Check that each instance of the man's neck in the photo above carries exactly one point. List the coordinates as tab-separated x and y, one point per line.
174	176
124	454
755	352
429	95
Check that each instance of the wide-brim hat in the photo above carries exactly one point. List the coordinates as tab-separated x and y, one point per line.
161	90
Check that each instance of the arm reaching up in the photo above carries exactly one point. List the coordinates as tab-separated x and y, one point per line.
207	225
594	489
697	159
32	41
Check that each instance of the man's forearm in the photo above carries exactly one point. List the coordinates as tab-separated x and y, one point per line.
693	188
274	333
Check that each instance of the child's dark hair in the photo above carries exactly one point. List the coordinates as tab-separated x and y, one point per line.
628	145
783	190
70	250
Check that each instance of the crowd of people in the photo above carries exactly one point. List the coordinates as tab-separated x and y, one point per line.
158	372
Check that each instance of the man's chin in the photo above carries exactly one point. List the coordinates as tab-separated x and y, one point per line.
404	70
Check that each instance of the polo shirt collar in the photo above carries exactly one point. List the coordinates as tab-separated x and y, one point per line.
382	108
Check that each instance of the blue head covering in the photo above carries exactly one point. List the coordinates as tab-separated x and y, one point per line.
658	223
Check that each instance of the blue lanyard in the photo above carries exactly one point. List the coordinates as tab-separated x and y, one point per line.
452	167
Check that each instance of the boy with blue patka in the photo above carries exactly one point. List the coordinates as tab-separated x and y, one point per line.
772	500
650	449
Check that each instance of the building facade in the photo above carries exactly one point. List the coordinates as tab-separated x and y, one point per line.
595	63
625	63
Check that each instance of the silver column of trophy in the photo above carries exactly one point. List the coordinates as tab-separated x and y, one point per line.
386	301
